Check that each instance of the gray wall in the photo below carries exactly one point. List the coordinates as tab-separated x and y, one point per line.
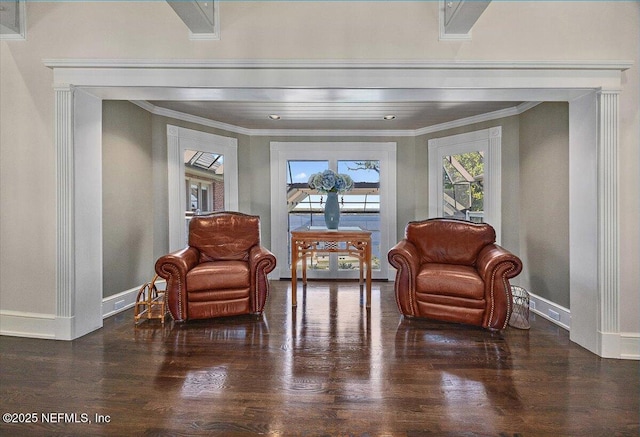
544	201
127	197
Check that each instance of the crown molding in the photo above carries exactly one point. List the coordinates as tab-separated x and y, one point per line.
156	110
177	115
516	110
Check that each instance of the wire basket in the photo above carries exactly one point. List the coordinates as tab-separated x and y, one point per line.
520	314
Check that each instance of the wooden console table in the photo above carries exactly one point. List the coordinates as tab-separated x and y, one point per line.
350	240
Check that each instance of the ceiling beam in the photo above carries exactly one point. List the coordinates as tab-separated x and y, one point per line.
457	17
200	16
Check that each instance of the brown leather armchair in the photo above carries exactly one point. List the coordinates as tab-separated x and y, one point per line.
452	270
222	272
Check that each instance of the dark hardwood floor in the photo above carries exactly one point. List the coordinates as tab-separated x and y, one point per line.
329	368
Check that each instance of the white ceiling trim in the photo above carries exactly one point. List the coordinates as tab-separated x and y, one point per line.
156	110
320	64
335	81
467	81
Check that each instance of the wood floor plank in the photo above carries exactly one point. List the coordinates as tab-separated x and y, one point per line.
329	367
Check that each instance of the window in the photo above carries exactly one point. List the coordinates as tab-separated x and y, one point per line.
370	205
463	186
465	177
204	181
203	177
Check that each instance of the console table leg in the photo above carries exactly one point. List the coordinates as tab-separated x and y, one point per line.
294	274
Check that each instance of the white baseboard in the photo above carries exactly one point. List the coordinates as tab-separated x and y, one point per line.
623	345
630	345
32	325
119	302
48	326
124	300
553	312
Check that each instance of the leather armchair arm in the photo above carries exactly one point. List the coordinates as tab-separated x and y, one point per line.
405	258
174	267
261	263
495	266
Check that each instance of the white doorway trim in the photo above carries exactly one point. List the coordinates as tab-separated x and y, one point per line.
180	139
591	88
488	141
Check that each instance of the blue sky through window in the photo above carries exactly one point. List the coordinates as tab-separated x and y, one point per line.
300	171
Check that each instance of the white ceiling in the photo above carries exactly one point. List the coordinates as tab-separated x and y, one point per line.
330	115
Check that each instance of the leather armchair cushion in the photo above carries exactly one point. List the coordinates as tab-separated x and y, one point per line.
450	280
219	295
449	301
224	237
449	241
220	308
218	275
452	313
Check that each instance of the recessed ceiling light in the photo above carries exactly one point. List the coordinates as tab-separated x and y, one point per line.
389	117
274	117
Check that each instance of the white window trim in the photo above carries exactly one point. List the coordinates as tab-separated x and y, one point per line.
491	140
180	139
281	152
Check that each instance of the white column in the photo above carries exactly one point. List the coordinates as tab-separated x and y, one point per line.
65	263
608	216
78	130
